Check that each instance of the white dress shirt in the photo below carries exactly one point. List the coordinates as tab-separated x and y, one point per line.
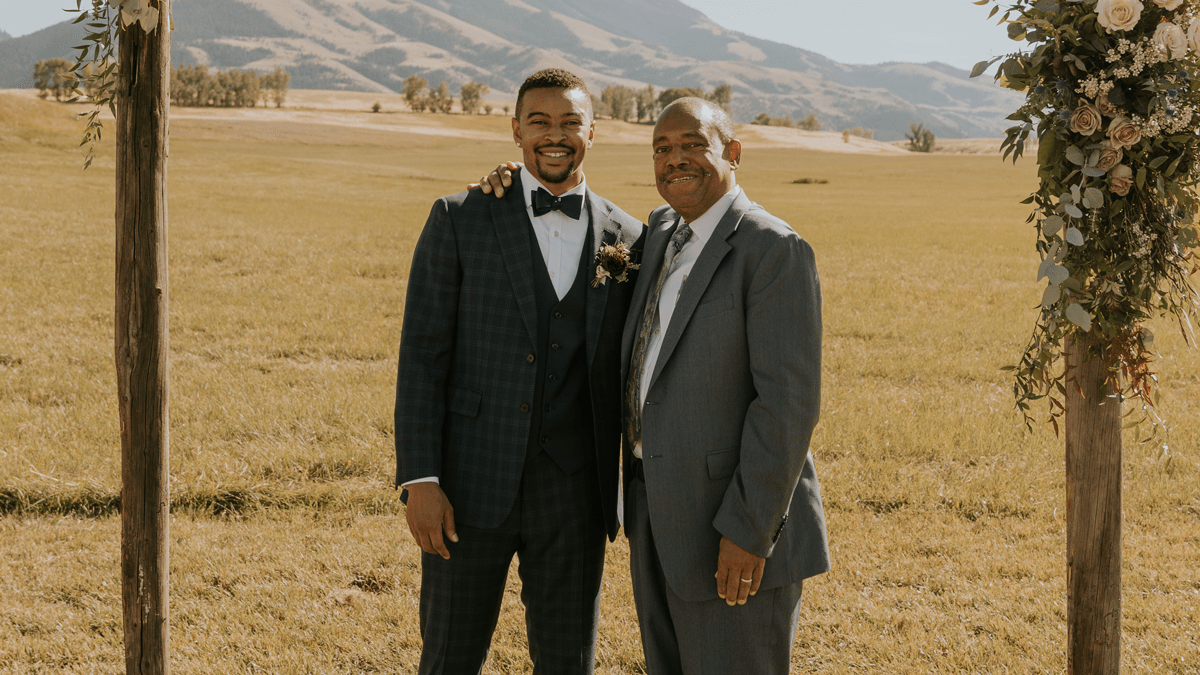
702	230
560	239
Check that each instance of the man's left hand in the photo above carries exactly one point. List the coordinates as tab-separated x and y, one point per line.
739	572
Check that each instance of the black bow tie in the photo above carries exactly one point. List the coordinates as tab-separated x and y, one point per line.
544	202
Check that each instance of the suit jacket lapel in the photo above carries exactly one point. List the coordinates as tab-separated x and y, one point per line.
657	238
512	230
697	282
604	231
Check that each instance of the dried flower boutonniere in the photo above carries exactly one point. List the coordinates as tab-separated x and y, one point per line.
613	261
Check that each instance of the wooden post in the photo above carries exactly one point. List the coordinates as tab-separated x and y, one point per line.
143	100
1093	517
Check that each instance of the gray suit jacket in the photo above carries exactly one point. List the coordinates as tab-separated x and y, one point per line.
732	403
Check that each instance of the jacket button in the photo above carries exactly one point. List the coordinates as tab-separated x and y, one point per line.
525	407
530	358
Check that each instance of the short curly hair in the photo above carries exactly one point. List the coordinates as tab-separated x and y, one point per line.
553	78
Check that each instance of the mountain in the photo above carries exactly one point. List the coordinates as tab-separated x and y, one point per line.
372	45
17	55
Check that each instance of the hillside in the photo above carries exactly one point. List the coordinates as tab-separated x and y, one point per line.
372	45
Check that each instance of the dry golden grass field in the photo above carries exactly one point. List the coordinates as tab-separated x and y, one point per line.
290	240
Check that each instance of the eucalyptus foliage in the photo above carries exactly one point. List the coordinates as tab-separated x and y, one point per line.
95	64
1112	96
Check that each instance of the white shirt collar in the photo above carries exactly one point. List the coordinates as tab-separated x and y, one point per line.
530	185
705	225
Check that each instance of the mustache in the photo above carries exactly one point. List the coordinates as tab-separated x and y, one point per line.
667	177
556	146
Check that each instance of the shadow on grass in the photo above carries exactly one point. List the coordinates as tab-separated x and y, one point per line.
213	502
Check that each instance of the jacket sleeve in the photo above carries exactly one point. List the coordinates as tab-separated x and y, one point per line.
426	347
783	333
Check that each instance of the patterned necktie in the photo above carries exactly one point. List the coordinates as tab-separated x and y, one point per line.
544	202
649	327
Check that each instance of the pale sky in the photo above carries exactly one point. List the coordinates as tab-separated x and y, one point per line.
863	31
870	31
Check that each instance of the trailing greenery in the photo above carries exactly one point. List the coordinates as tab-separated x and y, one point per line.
95	58
1111	95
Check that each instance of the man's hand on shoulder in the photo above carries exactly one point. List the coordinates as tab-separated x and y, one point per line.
739	573
429	514
496	181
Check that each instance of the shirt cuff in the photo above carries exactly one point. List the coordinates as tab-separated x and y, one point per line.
427	479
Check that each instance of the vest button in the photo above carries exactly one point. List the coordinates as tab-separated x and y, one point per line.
554	346
551	378
530	358
549	407
545	439
558	315
525	407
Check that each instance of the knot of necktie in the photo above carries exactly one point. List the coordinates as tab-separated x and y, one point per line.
544	202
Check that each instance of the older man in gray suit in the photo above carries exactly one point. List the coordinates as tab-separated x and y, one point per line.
722	354
721	358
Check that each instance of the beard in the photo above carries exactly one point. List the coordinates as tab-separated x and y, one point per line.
553	176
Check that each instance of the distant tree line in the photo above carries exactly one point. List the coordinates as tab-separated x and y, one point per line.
868	134
637	105
616	101
809	123
195	86
420	97
190	85
52	77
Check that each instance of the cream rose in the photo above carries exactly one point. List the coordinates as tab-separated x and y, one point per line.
1172	38
1119	14
1120	180
1123	133
1193	35
1109	156
1168	4
1086	121
137	11
1106	107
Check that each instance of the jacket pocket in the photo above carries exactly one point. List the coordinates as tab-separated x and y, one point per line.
723	303
722	463
464	401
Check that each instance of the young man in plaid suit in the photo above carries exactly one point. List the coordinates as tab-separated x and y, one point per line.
509	399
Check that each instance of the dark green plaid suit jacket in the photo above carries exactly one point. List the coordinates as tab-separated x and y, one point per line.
465	377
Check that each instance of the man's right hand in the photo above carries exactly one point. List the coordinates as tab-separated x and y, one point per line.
496	181
429	514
